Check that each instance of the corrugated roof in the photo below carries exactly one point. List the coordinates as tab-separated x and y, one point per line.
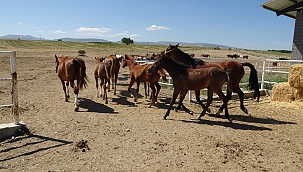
284	7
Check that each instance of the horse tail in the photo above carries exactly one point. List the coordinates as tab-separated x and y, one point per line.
81	72
161	72
253	80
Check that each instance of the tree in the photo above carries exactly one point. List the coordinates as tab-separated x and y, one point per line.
127	41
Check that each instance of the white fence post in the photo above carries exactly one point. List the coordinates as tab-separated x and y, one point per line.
14	105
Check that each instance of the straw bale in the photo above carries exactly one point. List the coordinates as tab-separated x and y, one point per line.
295	77
284	92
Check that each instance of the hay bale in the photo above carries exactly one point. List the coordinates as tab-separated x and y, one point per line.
295	77
284	92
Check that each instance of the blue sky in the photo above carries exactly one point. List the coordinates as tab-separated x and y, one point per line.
236	23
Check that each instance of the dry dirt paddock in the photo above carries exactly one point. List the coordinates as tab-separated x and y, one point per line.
127	136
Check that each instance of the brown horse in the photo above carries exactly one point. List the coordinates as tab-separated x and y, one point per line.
138	73
102	71
235	73
187	78
114	61
70	69
205	55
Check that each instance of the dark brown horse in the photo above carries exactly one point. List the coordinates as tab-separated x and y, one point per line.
187	78
235	73
205	55
114	61
69	70
102	71
138	73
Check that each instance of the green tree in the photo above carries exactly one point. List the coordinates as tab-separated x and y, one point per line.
127	41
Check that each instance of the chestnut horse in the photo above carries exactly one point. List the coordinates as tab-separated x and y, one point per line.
102	71
138	73
235	73
187	78
114	61
70	69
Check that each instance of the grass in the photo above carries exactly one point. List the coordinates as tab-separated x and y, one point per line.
42	45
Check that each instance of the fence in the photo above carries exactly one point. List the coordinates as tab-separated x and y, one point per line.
275	66
268	66
14	104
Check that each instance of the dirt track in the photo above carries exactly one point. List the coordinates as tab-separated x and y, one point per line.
128	136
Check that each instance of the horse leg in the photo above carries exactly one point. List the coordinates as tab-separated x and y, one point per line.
172	101
76	92
137	90
96	79
225	100
104	91
241	96
157	91
182	96
131	82
152	86
228	97
116	77
197	93
102	85
67	84
209	100
145	89
64	89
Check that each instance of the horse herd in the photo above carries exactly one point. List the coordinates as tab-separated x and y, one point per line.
187	73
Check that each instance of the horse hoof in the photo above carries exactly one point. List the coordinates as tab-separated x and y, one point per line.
76	109
191	113
164	117
230	120
199	117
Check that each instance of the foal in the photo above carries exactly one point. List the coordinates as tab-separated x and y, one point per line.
186	78
138	73
102	71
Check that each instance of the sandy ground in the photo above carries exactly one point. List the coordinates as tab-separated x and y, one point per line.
127	136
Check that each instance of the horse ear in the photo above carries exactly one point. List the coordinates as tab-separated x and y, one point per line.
95	57
56	56
177	44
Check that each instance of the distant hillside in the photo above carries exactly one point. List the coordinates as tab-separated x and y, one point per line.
83	40
21	37
184	44
29	37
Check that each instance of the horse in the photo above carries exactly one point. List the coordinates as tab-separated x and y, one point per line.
102	71
187	78
235	73
114	61
138	73
205	55
70	69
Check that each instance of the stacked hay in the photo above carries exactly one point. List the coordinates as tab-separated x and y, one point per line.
291	90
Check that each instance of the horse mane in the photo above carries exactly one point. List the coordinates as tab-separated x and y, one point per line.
194	61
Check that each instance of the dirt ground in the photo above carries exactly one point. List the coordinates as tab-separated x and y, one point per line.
127	136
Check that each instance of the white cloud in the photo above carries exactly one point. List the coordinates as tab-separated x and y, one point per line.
92	31
58	31
124	34
19	23
154	27
277	42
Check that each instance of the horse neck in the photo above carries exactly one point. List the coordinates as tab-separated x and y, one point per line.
172	67
182	57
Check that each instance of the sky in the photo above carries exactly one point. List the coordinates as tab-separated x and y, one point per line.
236	23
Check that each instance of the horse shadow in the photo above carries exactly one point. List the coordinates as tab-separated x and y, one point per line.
249	119
93	106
